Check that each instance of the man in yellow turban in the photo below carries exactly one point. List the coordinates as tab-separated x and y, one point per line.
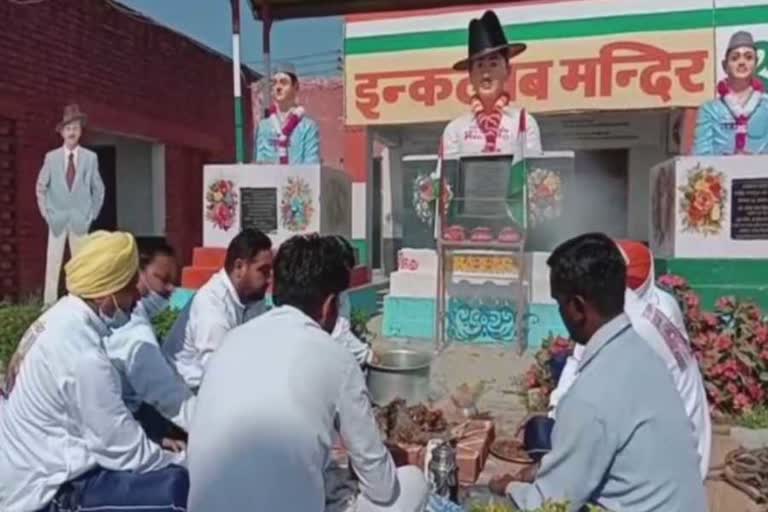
66	433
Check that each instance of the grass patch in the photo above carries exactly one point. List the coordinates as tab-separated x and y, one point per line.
14	321
757	418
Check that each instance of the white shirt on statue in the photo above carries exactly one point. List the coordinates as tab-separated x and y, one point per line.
658	328
273	398
65	415
463	136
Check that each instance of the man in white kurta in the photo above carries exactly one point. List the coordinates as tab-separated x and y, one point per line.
147	376
222	304
66	434
275	395
656	317
342	331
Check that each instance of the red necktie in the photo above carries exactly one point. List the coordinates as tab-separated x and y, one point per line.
71	171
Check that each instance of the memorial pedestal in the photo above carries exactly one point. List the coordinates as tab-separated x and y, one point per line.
280	200
709	224
710	207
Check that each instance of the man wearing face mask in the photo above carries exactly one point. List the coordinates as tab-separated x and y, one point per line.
232	296
68	440
149	381
737	121
269	448
288	135
622	439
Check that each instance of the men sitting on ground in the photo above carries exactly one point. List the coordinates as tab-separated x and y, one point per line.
220	305
342	332
275	394
150	384
68	440
656	317
621	438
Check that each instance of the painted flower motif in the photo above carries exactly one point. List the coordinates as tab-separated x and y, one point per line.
703	200
544	196
296	205
221	201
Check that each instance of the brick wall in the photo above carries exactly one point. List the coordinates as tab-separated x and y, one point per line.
132	77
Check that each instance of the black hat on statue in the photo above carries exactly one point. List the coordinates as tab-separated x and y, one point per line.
486	36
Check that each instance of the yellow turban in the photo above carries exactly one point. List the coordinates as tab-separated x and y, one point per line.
104	264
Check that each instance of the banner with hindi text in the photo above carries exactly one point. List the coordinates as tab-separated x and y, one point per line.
610	72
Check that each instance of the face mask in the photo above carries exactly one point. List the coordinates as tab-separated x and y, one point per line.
119	319
154	303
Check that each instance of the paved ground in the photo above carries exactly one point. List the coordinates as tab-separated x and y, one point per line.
497	368
500	369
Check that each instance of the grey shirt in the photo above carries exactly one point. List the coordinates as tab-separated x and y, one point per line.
273	397
622	438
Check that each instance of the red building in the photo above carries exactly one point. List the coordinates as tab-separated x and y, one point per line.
159	107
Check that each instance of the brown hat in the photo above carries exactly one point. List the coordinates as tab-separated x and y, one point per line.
71	114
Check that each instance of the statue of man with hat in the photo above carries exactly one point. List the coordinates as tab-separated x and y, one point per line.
736	122
493	125
287	136
70	195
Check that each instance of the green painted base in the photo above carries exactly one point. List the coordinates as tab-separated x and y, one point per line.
361	245
413	319
715	278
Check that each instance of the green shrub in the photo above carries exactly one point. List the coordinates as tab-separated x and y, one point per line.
163	323
14	321
359	325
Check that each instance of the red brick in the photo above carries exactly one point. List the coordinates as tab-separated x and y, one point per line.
132	77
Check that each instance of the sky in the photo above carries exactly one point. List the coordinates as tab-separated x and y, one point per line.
314	53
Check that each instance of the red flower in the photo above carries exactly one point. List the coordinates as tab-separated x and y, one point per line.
709	320
723	343
726	304
714	185
703	201
742	402
692	300
732	388
731	370
543	191
223	187
764	355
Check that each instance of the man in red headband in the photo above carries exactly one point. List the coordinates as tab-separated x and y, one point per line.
656	316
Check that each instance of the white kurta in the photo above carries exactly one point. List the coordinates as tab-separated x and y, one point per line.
657	327
342	332
146	373
198	332
266	416
65	414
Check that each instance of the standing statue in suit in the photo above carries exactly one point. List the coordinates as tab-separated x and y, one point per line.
70	195
287	136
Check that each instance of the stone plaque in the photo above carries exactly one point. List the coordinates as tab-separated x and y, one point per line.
749	209
258	209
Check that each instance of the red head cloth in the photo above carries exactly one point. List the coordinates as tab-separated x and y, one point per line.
639	262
